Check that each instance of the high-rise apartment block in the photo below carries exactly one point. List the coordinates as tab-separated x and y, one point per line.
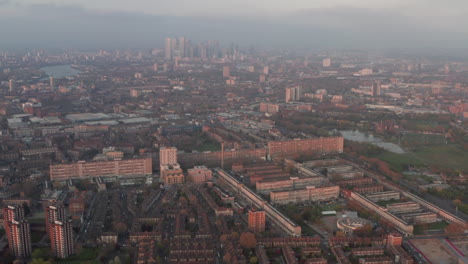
59	228
170	170
17	231
257	220
11	84
19	238
54	213
226	72
376	89
326	62
11	213
61	239
293	94
167	155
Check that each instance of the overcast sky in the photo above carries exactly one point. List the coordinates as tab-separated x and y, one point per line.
286	23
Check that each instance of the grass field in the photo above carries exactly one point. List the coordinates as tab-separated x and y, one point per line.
444	156
417	139
209	146
37	236
419	229
87	255
400	162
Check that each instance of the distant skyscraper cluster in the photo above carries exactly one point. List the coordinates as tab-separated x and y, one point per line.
179	48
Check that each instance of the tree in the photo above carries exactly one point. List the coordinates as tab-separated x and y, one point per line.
223	238
40	253
247	240
227	258
365	230
117	260
29	188
40	261
120	227
27	210
57	185
454	228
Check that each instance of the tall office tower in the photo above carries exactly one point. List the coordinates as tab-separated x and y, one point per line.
51	80
326	62
256	220
168	49
11	85
189	52
181	47
155	67
19	238
17	230
167	155
61	239
203	53
173	48
54	213
266	70
226	72
376	88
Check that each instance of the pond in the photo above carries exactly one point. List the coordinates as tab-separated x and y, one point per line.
355	135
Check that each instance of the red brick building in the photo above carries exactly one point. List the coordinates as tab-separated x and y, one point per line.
297	147
83	169
199	174
256	220
61	239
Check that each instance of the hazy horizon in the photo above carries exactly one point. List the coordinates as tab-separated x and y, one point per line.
300	24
